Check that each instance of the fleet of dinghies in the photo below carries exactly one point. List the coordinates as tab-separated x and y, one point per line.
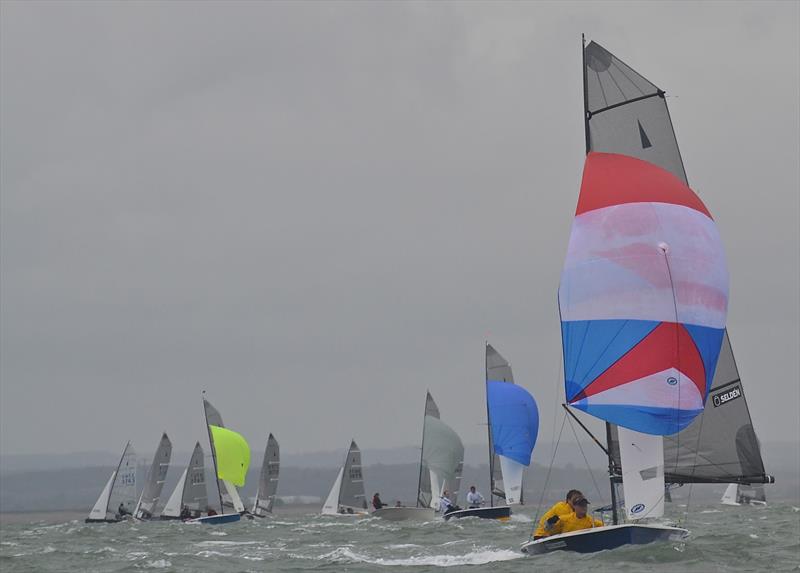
643	301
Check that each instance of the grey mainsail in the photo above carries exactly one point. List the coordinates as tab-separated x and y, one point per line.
497	368
191	488
352	492
154	483
628	114
268	480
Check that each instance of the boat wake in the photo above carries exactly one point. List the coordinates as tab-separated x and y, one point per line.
479	556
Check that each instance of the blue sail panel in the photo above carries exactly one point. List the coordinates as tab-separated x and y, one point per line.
514	420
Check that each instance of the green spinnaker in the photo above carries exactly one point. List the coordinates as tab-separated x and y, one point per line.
233	455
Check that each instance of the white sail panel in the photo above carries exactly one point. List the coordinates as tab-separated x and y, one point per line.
513	472
174	504
352	492
331	505
731	495
231	494
642	458
101	505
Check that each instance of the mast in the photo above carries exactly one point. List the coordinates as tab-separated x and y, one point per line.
587	140
488	425
213	453
585	96
422	450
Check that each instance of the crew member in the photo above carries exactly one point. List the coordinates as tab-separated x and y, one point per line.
376	501
560	508
574	521
474	498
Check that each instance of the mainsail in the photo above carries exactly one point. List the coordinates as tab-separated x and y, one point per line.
154	483
229	499
644	290
120	489
442	460
347	494
425	496
627	114
513	420
268	480
191	489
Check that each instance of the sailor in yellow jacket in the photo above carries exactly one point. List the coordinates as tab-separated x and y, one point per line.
562	508
574	521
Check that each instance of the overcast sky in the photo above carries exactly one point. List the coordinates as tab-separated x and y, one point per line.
317	211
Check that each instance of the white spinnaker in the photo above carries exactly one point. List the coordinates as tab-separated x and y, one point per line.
443	454
731	495
154	483
175	502
100	506
332	502
642	459
512	479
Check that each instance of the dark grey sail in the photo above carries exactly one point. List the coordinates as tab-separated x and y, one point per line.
628	114
268	480
720	446
498	369
154	483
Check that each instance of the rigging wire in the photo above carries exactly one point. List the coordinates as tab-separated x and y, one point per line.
547	479
586	461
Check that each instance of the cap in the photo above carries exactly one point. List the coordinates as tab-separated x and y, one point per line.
581	501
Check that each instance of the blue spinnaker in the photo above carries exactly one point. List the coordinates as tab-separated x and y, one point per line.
514	419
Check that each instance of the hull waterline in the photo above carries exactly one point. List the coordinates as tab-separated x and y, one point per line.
603	538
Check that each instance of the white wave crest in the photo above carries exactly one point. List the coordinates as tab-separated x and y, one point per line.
479	556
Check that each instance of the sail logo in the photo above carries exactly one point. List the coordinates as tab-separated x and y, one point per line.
725	397
638	508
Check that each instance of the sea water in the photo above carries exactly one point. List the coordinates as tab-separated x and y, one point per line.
724	539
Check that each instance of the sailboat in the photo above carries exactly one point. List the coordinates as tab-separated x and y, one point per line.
154	483
268	479
231	457
643	296
191	489
737	494
441	461
347	494
230	501
119	489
